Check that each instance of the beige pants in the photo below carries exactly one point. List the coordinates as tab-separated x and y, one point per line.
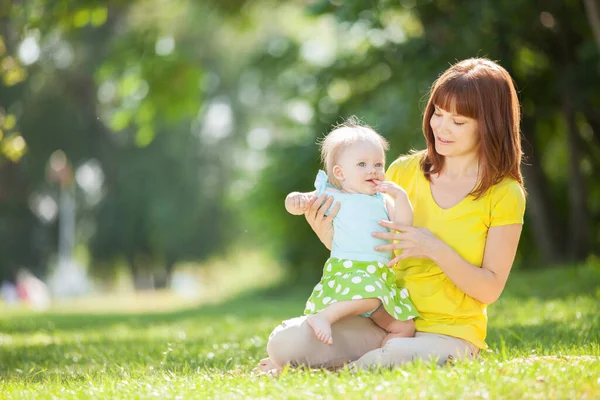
357	340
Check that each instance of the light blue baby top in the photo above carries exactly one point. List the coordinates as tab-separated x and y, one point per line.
354	223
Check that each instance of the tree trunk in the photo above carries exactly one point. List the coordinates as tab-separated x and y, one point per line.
540	210
579	225
579	221
169	269
141	276
162	279
133	269
592	11
593	118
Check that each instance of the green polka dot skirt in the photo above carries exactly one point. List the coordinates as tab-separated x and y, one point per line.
353	280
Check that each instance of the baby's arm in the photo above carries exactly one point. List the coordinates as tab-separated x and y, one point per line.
400	210
296	203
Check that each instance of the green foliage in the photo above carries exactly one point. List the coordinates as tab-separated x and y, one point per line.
380	63
131	85
156	211
127	96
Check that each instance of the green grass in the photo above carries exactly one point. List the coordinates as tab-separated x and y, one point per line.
544	336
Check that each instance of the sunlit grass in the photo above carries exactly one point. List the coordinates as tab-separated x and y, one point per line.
215	281
544	339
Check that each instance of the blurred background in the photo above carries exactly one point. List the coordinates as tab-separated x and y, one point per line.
148	145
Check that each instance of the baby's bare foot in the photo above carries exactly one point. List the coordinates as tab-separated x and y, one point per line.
322	328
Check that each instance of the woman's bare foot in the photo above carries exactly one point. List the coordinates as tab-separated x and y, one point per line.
266	366
321	327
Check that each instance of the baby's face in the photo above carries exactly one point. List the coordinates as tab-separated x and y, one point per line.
360	164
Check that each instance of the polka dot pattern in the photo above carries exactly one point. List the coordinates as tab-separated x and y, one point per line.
345	280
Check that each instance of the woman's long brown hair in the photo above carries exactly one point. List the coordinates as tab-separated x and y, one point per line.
480	89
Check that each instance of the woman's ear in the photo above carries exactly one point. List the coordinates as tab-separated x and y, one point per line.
338	173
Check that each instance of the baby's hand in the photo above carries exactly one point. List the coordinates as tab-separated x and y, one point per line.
297	203
390	188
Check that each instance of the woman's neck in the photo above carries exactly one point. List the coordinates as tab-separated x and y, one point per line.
461	167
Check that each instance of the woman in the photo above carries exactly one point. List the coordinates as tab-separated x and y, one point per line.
468	197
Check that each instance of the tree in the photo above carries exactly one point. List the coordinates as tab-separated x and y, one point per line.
100	81
379	65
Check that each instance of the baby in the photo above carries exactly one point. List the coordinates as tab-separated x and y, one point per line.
356	280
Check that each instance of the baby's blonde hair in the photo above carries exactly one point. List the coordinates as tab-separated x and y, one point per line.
342	136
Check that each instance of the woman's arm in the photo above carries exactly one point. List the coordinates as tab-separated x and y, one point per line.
319	222
484	284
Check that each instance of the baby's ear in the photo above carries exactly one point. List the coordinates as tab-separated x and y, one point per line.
338	173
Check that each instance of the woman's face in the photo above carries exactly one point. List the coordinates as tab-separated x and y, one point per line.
455	135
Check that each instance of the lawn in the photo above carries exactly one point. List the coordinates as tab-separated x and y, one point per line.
544	336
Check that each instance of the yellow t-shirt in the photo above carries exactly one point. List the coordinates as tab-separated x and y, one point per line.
444	308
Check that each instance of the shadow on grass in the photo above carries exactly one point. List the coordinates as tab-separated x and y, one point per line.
125	357
287	301
555	283
92	355
280	302
131	357
76	345
583	335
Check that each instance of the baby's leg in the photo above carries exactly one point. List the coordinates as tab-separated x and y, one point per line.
321	321
395	328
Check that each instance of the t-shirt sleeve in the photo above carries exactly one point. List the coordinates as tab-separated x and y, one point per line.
402	170
508	204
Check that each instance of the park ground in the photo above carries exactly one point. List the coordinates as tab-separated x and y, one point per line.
544	337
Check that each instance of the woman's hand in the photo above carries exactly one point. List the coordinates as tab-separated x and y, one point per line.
414	242
483	283
319	222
